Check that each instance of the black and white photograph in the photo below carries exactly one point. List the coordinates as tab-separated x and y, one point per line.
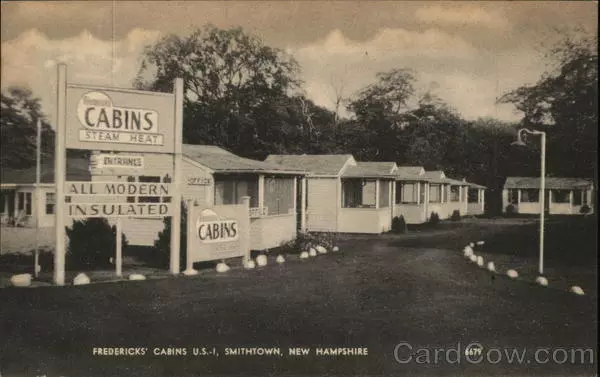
298	188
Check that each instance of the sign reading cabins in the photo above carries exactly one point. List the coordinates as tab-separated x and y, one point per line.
119	120
219	232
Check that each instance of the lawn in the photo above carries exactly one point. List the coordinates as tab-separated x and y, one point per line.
378	291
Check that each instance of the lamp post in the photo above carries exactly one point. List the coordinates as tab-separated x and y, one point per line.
520	142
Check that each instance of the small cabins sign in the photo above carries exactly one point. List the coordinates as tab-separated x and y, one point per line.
218	233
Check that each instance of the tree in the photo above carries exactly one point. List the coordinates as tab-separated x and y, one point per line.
564	103
18	129
231	79
377	107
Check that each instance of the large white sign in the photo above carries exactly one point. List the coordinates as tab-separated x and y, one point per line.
119	120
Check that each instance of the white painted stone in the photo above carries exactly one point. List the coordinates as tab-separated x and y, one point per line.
512	274
261	260
190	272
479	243
335	249
491	267
473	258
312	252
249	264
222	267
21	280
81	279
137	277
304	255
577	290
480	261
472	244
280	259
468	251
542	281
321	249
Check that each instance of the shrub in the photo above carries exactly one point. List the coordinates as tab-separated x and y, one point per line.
162	244
585	209
434	219
511	210
399	224
92	242
455	215
306	240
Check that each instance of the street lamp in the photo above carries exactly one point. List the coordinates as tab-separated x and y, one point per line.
520	142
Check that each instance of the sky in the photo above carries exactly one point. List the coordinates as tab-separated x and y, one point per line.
467	53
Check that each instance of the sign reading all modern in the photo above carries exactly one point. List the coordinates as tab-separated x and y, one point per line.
119	120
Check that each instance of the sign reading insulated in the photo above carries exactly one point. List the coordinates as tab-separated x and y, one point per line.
119	120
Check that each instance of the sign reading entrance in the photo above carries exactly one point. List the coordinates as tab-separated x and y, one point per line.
119	120
111	161
218	233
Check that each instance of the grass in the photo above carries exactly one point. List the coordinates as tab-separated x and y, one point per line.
378	291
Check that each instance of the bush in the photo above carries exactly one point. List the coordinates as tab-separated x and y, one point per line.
585	209
434	219
92	242
455	215
399	224
162	244
306	240
511	210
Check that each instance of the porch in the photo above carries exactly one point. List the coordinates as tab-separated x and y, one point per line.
366	205
411	201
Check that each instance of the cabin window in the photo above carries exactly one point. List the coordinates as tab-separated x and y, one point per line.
384	194
454	193
358	193
3	197
435	193
50	203
28	203
577	197
407	193
21	204
445	193
473	196
530	196
560	196
513	196
230	190
148	179
24	202
422	192
279	195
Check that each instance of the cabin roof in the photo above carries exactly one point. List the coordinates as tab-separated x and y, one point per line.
317	164
555	183
222	161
